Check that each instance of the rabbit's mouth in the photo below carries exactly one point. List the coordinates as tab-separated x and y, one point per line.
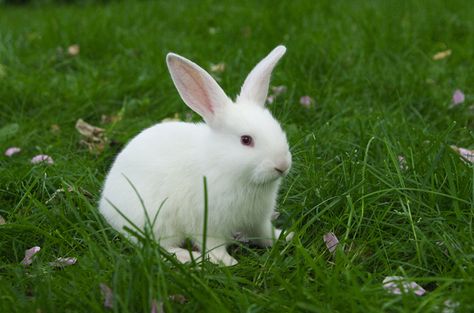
269	171
266	181
267	176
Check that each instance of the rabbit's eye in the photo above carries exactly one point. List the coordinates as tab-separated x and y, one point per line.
246	140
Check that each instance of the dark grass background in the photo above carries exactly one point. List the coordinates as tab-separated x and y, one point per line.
378	95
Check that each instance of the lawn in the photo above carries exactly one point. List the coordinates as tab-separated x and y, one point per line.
372	155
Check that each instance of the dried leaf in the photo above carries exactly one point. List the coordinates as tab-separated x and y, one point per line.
42	158
89	131
108	295
110	119
178	298
442	54
331	241
398	285
93	147
81	191
157	306
306	101
11	151
63	262
94	137
73	50
55	129
218	68
466	154
29	254
458	97
2	220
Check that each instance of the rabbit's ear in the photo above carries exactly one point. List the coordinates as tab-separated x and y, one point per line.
196	87
255	87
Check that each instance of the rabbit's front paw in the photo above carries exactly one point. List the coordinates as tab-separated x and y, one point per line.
222	258
287	236
183	255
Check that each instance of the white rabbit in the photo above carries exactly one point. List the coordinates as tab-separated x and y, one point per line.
240	149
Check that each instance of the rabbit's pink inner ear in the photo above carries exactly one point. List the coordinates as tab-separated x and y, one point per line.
194	93
196	87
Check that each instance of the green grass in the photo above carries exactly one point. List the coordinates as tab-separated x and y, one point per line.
378	93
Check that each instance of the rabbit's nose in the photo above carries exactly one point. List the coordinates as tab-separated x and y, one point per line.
282	167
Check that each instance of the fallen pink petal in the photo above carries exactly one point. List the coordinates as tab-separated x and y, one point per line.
331	241
402	162
466	154
278	90
458	97
29	254
398	285
63	262
306	101
11	151
42	158
450	306
108	296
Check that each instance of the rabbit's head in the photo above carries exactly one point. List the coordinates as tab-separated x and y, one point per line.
244	136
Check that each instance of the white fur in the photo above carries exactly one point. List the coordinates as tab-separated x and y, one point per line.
166	164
